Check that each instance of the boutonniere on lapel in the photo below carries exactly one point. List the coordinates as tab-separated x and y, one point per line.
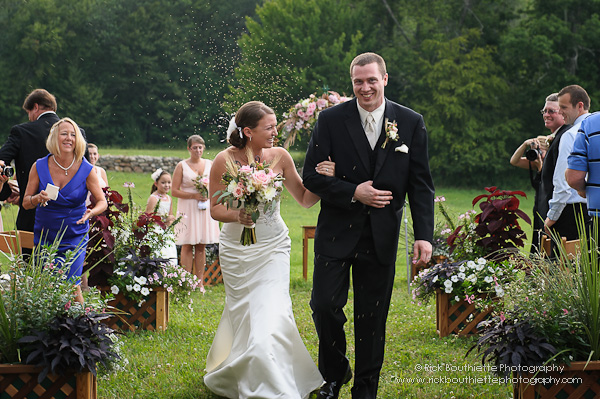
403	148
391	132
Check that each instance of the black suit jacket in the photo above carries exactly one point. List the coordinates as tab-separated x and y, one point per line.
546	184
340	135
25	144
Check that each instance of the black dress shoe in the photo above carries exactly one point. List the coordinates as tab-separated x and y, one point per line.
331	390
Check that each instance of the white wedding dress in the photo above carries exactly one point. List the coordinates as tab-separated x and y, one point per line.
257	351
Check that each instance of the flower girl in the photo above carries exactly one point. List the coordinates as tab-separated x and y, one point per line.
160	202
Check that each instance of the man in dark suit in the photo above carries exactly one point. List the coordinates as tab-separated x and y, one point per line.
26	143
554	121
380	154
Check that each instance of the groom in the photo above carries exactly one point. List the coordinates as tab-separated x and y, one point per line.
359	223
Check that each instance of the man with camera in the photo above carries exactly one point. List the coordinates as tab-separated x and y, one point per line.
566	206
539	154
25	144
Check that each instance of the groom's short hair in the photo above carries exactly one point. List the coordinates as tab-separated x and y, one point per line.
369	58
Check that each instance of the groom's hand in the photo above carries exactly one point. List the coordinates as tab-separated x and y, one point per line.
422	251
369	195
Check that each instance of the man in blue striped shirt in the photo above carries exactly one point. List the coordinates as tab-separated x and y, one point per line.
585	159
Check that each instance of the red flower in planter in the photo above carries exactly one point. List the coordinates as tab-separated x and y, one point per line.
498	224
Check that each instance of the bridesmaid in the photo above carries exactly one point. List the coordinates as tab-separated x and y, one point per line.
196	228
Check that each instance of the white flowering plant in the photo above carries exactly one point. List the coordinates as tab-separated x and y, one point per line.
476	280
137	277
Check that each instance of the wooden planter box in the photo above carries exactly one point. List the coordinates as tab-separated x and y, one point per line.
576	381
212	273
20	381
451	318
153	315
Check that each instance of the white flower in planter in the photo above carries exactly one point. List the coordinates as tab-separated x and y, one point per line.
137	288
114	289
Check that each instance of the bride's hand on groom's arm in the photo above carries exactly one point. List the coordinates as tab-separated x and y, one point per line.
326	168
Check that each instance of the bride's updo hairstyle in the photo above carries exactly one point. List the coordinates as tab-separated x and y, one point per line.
248	115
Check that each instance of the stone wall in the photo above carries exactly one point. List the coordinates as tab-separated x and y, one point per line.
137	163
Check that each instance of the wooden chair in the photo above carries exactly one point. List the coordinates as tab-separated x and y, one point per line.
571	247
13	241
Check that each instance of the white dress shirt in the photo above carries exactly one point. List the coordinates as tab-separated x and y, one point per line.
563	194
378	114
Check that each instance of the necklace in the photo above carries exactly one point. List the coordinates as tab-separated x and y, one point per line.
62	167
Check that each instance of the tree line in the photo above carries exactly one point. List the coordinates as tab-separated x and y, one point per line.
145	72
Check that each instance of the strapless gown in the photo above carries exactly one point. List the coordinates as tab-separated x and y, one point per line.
257	351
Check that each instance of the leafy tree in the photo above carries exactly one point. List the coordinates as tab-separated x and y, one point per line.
294	48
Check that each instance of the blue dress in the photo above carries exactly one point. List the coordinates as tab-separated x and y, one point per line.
63	213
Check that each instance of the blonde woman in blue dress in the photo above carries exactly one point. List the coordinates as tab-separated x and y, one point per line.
257	351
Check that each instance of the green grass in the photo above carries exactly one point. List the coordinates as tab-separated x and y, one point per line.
171	364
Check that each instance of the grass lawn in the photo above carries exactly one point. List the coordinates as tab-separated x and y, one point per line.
171	364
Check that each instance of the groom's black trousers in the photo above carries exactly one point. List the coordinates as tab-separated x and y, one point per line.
373	283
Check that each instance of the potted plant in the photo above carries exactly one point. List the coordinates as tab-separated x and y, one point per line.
48	341
142	280
548	327
477	270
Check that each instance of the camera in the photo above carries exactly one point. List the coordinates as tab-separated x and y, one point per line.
532	154
8	171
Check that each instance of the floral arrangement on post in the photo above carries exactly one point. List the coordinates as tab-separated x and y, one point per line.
249	186
41	323
551	313
300	119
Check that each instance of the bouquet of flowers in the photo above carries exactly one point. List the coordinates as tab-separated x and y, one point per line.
301	118
201	184
248	186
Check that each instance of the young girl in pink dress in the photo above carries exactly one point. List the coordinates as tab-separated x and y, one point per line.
196	228
159	199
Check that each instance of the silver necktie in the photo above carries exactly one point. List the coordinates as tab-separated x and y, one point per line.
370	130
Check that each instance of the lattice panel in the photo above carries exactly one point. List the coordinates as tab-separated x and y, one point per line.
212	274
26	386
575	384
151	315
459	318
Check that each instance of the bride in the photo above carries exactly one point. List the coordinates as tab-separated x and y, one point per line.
257	351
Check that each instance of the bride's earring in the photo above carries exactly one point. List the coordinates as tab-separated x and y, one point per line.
250	138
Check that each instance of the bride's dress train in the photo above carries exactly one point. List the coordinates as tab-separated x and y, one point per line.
257	351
